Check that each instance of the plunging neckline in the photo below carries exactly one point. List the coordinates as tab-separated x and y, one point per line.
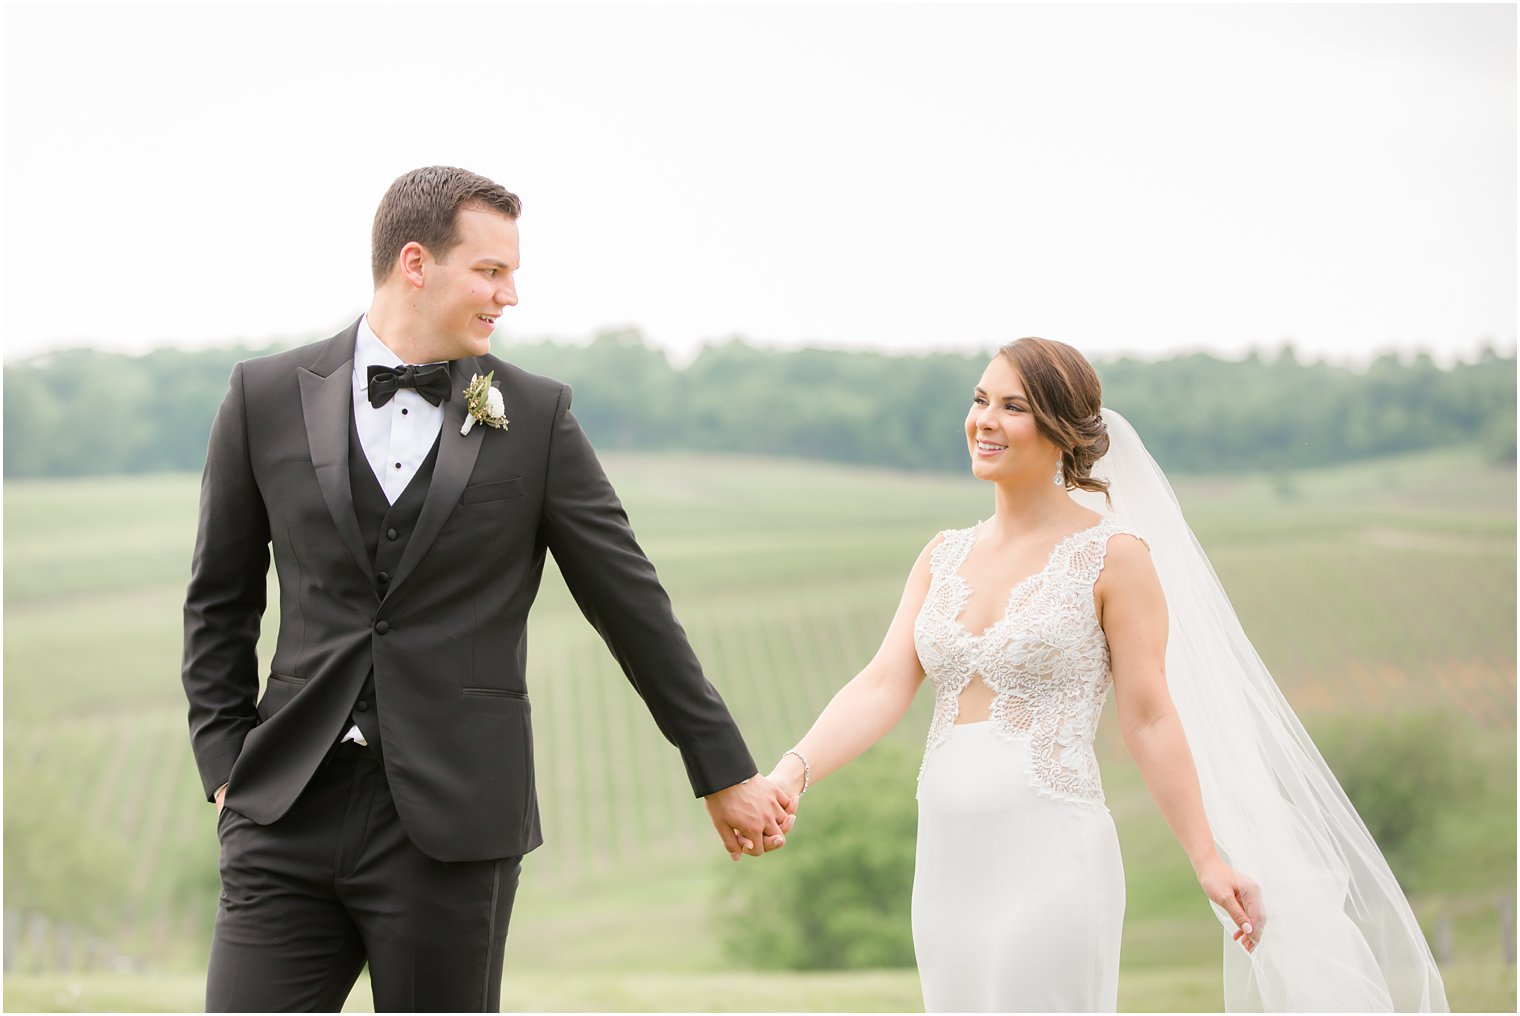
1013	591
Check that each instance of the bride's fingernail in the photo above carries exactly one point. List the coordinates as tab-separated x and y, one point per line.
1246	927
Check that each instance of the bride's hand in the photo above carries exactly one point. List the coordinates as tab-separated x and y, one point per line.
788	775
791	788
1239	896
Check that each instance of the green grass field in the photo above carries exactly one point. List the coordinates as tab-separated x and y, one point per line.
1381	588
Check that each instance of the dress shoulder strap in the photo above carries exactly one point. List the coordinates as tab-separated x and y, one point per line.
1117	528
1086	554
951	552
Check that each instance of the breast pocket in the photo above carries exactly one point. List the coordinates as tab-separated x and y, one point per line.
497	490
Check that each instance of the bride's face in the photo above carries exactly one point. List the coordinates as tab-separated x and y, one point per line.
1001	436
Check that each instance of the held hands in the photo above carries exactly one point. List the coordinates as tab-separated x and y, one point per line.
1238	896
752	817
789	780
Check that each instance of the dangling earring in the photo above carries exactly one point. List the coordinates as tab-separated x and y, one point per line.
1060	477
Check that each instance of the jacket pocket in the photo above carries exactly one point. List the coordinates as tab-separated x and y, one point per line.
277	694
498	490
496	693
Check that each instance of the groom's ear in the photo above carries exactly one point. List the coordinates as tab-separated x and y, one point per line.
410	264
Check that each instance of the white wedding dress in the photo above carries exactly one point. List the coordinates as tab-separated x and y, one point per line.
1018	891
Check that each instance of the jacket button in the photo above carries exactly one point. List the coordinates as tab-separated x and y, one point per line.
391	534
384	576
381	627
363	706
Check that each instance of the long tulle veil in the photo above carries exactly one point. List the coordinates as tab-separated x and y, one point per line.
1339	934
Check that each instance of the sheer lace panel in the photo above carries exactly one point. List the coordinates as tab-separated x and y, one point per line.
1046	659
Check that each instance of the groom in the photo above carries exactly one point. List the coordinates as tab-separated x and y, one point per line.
374	804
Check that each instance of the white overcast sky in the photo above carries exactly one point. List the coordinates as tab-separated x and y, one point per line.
1142	179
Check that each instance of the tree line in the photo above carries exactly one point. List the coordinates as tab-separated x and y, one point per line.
85	412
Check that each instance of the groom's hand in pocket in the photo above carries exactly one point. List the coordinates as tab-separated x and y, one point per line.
751	817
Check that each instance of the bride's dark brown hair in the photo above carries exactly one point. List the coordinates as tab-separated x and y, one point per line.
1066	399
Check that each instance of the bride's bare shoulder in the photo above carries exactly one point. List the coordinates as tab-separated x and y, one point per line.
1127	568
1129	545
925	562
935	542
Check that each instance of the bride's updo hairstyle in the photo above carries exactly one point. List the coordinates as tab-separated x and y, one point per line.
1066	399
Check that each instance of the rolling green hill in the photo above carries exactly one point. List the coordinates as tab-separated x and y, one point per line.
1383	589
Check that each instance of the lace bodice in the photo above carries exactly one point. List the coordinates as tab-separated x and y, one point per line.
1046	659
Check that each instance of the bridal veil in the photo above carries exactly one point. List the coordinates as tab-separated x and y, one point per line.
1339	934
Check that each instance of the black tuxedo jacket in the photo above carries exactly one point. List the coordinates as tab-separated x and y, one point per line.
446	640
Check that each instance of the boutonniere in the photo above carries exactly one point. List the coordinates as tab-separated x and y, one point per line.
484	403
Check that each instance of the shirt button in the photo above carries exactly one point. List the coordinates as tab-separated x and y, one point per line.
363	706
381	627
403	412
391	534
398	465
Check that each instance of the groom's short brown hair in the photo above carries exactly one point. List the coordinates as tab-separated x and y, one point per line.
423	205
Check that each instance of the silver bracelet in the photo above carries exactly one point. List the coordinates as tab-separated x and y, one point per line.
807	770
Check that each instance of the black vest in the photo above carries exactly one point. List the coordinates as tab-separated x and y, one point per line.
386	528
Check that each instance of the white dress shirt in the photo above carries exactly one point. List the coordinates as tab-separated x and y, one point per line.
397	436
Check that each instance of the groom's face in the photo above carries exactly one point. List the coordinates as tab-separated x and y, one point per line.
466	290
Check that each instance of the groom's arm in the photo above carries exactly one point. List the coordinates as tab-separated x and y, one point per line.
614	584
226	597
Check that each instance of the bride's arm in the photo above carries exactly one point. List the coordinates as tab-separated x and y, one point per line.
1132	610
872	702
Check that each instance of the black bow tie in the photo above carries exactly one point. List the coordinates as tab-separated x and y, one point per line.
430	380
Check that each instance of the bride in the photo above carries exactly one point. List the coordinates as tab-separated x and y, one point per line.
1087	575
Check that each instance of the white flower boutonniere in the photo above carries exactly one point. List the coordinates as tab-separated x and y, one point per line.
484	403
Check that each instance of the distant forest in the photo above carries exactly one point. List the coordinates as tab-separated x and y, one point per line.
82	412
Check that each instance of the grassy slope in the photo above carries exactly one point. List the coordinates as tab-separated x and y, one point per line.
1387	586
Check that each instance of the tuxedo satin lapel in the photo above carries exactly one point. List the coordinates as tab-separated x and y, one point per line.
326	403
456	461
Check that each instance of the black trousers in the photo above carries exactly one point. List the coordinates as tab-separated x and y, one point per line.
307	900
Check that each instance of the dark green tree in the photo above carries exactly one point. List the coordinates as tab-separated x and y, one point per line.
838	896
